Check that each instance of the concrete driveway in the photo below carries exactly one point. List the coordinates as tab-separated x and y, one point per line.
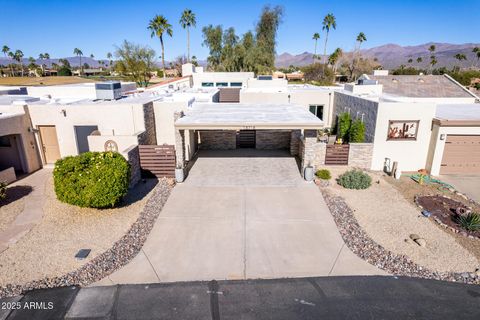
242	215
468	184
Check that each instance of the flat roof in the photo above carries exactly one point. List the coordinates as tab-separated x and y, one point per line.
236	116
458	111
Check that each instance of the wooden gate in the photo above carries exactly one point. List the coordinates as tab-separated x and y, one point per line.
337	154
158	160
246	139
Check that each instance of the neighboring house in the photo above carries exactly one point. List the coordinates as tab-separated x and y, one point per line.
417	121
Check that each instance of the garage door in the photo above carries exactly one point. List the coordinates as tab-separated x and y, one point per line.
461	155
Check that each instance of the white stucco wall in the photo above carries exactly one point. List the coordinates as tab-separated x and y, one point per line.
112	119
437	146
19	124
69	91
214	77
300	97
410	155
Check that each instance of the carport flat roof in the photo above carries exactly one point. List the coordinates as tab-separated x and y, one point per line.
236	116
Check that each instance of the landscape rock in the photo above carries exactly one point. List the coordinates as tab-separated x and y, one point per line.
421	242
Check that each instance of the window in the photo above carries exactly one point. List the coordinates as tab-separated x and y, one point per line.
207	84
264	78
222	84
236	84
317	110
402	129
5	141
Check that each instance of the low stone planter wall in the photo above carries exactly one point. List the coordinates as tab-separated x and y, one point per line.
111	260
360	155
364	247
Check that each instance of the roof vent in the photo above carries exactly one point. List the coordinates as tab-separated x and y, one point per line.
108	90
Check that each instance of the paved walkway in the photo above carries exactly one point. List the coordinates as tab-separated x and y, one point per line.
303	298
467	184
33	210
240	218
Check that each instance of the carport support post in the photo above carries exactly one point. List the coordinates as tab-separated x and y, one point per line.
179	142
295	141
308	150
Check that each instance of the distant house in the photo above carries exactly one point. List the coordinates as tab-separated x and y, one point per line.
89	72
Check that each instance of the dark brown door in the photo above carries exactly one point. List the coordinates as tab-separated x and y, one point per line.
246	139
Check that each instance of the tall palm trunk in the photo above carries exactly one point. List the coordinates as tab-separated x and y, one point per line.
325	50
315	54
81	66
21	66
188	44
163	57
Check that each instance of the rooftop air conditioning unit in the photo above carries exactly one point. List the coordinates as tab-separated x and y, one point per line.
108	90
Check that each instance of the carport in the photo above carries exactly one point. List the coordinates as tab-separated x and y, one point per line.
223	126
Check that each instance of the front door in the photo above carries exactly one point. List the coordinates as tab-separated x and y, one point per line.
48	137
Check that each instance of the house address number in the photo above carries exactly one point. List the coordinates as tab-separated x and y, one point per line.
249	127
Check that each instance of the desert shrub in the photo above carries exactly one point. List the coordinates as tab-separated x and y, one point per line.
3	190
355	179
357	131
318	74
64	71
470	222
343	126
92	179
323	174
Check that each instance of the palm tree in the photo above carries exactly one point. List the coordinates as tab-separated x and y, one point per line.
334	57
460	57
475	50
433	59
158	26
315	37
410	60
79	54
92	56
328	23
419	59
188	20
360	39
6	52
18	56
109	57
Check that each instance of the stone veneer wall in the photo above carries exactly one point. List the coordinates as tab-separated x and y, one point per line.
360	155
272	139
218	139
295	136
179	142
133	157
149	136
343	102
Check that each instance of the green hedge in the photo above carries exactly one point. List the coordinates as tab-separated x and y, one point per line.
92	179
324	174
355	179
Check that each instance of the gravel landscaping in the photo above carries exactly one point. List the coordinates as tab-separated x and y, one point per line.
12	205
44	258
380	226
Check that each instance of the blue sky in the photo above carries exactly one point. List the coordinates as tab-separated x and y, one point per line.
57	27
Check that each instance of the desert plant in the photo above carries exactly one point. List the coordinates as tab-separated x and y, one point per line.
355	179
343	127
3	190
470	222
357	131
92	179
64	71
323	174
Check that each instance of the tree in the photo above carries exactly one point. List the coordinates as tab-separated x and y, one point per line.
159	26
212	38
356	132
194	61
135	62
419	59
360	39
334	58
460	57
64	63
109	57
410	60
265	38
315	37
79	54
328	24
433	59
475	50
6	53
188	20
92	56
18	56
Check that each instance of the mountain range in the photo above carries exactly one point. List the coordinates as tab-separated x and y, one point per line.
391	56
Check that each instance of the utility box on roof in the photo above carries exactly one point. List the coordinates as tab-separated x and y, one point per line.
108	90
